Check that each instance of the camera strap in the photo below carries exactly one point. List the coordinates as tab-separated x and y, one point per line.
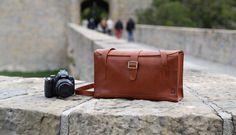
83	90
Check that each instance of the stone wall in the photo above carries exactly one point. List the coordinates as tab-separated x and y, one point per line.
33	34
33	31
118	9
124	9
214	45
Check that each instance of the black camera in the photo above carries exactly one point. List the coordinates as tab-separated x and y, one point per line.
60	85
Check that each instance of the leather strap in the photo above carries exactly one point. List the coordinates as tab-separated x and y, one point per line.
106	52
164	61
133	71
83	90
163	58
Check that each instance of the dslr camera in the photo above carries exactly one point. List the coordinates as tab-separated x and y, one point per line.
60	85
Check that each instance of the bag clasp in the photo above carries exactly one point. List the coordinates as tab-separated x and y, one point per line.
132	64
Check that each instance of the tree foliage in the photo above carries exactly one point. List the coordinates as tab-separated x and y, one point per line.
98	13
191	13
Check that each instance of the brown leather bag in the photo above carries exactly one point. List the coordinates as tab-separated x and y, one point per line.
151	75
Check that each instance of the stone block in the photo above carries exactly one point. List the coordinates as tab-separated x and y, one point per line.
119	116
25	110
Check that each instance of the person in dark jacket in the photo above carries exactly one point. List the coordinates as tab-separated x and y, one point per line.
118	29
130	27
91	24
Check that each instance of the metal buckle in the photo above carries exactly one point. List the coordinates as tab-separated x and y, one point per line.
132	64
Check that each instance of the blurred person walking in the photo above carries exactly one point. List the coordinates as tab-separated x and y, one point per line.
118	29
130	27
109	26
91	24
102	27
85	23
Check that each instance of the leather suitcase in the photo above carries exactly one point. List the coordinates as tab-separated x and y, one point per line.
137	74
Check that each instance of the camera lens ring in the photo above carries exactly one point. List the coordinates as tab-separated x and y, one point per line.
64	88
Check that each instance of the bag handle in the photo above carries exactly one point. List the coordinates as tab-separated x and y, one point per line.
106	52
83	90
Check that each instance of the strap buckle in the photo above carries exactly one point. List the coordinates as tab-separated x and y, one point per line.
132	64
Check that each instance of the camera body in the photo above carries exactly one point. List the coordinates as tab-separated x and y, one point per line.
60	85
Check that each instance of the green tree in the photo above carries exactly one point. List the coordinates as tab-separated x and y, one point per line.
192	13
97	12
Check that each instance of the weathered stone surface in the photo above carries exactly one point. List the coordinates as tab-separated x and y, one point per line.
29	112
218	89
117	116
32	113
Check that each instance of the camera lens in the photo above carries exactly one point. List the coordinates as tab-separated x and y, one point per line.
64	88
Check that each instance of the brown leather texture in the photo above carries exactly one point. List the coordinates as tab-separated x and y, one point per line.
139	74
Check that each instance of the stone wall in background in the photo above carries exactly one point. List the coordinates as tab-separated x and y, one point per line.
214	45
118	9
33	34
124	9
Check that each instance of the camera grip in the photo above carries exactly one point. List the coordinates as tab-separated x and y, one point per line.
48	90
